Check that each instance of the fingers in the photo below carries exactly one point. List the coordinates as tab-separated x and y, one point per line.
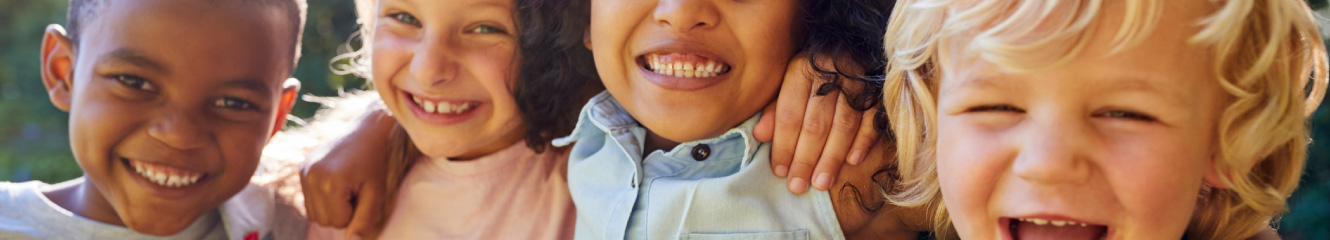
812	138
311	196
766	128
865	139
325	203
844	129
791	103
369	211
337	207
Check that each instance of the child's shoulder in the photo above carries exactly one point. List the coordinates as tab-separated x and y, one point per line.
23	211
261	212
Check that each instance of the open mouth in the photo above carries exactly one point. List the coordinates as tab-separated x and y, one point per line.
163	175
1040	228
443	107
683	65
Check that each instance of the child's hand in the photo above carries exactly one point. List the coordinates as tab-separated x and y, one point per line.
811	135
344	180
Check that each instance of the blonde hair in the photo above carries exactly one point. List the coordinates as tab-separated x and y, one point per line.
1264	53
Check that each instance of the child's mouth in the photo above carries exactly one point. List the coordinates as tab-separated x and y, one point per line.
440	111
683	65
444	107
1039	228
163	175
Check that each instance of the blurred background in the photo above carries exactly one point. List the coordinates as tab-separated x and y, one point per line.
34	136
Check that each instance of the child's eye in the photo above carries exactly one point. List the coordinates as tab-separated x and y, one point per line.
233	103
1128	115
487	29
995	108
134	82
405	18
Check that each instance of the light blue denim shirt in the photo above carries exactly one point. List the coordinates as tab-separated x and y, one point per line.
718	188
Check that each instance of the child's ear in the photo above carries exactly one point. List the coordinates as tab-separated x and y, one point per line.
290	89
586	39
1213	172
57	66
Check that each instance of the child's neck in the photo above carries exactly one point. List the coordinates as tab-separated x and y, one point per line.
656	142
80	197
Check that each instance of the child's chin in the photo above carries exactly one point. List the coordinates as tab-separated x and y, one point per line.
158	222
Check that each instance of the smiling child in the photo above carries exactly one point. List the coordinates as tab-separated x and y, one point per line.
170	103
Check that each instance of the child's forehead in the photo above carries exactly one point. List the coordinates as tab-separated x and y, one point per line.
1165	50
191	39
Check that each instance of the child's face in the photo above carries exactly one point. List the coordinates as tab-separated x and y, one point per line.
1119	142
446	69
735	52
171	104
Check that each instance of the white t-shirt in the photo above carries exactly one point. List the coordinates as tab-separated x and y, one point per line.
25	213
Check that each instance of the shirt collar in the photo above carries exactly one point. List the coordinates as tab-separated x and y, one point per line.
603	115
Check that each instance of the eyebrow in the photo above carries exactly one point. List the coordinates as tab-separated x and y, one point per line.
252	84
982	82
133	57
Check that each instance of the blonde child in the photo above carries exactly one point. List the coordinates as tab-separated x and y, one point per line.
1102	119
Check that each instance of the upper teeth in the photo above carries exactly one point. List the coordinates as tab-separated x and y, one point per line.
165	176
685	69
1038	221
442	107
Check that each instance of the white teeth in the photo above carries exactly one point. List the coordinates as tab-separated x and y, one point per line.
417	99
684	69
444	107
161	178
1058	223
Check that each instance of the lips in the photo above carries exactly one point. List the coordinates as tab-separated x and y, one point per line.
682	65
683	69
441	111
444	107
1046	228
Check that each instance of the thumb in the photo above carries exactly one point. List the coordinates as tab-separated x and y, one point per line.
766	125
369	212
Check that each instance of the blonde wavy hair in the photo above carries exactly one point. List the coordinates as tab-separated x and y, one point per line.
1267	55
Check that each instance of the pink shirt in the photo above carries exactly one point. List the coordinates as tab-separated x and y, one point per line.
514	193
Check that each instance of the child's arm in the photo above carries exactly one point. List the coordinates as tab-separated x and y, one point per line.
344	180
812	136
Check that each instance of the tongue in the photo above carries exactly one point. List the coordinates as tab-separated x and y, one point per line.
1030	231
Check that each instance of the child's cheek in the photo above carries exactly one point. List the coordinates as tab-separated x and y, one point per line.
968	162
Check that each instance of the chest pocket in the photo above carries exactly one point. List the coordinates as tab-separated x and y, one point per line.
800	234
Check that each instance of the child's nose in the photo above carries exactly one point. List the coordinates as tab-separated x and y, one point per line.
685	15
179	129
1052	153
434	61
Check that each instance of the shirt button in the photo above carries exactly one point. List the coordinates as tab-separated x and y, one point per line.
701	152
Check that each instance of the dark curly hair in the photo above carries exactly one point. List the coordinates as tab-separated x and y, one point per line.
558	75
851	32
848	30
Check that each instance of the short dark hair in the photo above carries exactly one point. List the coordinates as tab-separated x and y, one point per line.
82	10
